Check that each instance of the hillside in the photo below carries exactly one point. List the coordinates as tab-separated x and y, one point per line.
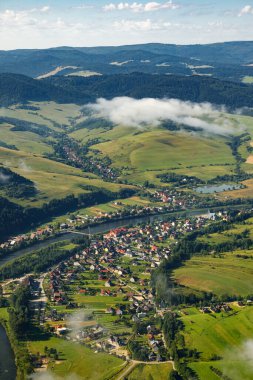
15	88
228	61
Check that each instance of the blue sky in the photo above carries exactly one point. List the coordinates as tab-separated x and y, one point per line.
42	23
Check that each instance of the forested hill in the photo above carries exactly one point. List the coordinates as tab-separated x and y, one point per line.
226	61
15	88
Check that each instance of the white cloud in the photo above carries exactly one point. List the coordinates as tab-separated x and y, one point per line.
44	9
248	9
131	25
21	18
84	6
150	111
141	7
147	25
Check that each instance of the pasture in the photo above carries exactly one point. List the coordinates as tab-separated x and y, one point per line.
227	274
50	175
216	334
235	369
46	113
151	371
77	360
24	140
159	149
247	80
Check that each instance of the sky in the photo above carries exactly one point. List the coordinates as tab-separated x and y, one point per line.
50	23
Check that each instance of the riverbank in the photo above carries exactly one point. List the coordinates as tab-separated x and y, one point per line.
8	369
104	226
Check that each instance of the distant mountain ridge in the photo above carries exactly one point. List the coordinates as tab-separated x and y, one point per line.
227	60
16	88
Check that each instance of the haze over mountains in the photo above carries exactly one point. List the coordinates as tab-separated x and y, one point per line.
198	73
222	60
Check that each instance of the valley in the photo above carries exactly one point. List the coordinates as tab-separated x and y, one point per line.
126	217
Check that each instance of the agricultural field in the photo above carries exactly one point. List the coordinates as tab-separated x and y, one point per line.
47	113
76	359
247	80
49	175
245	192
152	371
225	336
235	369
229	234
24	140
159	149
227	274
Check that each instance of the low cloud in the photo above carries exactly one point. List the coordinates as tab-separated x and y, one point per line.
141	7
23	166
242	355
50	376
247	10
75	322
153	112
4	178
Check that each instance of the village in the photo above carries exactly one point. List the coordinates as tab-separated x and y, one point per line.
102	297
161	202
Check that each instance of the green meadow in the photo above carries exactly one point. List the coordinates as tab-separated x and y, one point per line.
77	360
227	274
159	149
235	369
215	333
52	179
152	371
247	80
223	335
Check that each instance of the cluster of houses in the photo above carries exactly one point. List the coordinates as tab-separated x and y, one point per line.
117	265
89	163
218	308
176	200
17	241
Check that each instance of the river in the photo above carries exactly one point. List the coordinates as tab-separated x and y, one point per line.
106	226
97	229
7	360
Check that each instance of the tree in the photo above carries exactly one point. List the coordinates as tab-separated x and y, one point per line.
174	375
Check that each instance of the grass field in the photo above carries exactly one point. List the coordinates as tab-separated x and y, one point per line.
225	275
240	193
218	333
159	149
149	372
4	313
77	360
228	235
25	141
247	79
53	179
235	369
46	114
227	335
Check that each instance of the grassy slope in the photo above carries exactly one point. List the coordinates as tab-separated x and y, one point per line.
60	113
149	153
25	141
78	360
236	228
53	179
157	371
235	369
223	335
247	79
160	149
225	275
